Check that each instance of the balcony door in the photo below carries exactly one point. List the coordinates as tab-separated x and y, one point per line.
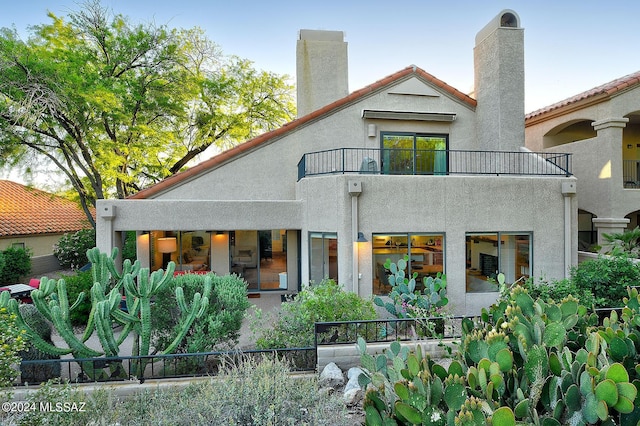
414	153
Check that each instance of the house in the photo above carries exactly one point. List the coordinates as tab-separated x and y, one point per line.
407	165
601	129
35	220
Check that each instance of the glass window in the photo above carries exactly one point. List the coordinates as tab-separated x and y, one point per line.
260	257
412	153
323	256
425	251
491	253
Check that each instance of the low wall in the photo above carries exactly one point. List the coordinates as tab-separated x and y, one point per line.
42	265
346	356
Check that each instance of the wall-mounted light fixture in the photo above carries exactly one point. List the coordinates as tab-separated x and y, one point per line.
361	238
629	146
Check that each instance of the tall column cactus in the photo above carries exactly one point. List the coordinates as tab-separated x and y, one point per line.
139	287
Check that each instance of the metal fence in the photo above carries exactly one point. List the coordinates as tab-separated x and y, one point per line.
389	330
140	368
433	162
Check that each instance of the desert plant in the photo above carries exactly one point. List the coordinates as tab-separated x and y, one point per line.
218	328
259	392
626	243
607	277
71	249
37	373
406	300
293	325
139	288
527	360
16	263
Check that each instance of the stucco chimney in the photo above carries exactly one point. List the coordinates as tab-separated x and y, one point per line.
321	67
499	83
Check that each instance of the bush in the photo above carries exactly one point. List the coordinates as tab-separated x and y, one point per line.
219	328
293	325
558	290
71	249
11	343
16	263
251	392
76	284
129	246
607	278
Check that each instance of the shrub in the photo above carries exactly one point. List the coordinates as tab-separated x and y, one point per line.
16	263
324	302
129	246
559	289
76	284
219	328
71	249
11	343
607	277
251	392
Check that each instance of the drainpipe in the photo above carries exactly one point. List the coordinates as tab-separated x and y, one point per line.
355	189
568	191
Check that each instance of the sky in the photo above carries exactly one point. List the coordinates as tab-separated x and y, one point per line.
570	45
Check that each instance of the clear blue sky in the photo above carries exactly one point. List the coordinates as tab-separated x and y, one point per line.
570	46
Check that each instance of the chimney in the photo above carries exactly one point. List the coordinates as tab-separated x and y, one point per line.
321	68
499	83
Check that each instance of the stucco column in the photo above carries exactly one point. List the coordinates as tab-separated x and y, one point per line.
609	225
610	131
108	238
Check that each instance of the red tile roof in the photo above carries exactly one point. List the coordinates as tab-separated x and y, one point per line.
288	127
590	96
28	211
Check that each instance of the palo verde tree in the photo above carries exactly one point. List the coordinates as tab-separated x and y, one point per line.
117	106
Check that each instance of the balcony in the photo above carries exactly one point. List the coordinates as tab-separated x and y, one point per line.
433	162
630	173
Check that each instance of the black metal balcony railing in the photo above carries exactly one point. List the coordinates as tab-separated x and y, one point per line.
631	173
433	162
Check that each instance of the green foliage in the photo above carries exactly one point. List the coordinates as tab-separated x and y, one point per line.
129	246
15	264
139	287
607	277
324	302
71	249
260	392
118	106
80	282
37	373
12	341
407	301
559	289
526	360
626	243
219	327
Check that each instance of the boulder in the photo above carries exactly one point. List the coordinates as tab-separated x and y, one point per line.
331	376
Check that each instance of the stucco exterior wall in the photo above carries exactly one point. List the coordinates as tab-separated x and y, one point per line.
597	162
40	245
453	205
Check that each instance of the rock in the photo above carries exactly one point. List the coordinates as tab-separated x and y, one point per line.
352	391
331	376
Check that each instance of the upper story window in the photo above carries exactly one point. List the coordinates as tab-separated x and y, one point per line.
414	153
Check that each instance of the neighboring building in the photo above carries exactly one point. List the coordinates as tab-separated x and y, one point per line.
601	128
35	220
409	164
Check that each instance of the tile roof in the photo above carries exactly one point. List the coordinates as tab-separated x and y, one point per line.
596	94
28	211
288	127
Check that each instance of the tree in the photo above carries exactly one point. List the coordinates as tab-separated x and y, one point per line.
117	106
